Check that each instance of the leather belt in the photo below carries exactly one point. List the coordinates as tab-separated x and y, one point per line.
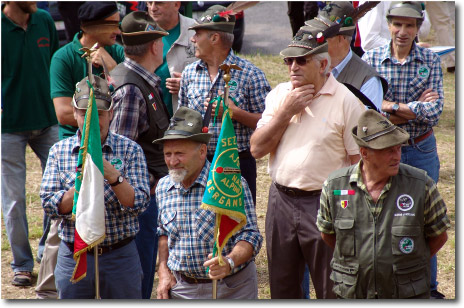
295	192
104	249
245	154
420	138
194	280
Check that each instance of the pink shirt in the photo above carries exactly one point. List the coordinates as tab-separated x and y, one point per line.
318	140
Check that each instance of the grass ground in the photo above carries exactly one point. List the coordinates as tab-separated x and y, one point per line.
276	73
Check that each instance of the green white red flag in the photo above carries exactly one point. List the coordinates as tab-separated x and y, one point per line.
89	204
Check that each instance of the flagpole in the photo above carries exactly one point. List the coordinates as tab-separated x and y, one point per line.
97	276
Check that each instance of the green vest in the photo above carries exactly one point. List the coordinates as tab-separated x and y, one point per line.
385	256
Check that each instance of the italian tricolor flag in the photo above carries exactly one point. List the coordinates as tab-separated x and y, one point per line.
89	203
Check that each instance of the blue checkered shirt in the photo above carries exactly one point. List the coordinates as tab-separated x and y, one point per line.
190	229
130	117
408	80
249	87
60	174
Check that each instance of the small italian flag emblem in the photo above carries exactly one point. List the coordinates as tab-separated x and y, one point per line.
343	192
344	204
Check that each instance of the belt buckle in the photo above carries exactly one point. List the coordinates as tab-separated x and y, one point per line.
291	192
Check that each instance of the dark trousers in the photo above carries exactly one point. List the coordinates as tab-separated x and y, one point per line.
248	170
300	11
293	240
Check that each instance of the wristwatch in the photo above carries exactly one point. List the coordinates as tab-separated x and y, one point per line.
395	108
118	181
231	263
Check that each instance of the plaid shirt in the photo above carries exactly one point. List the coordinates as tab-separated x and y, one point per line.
130	116
190	229
407	81
60	174
249	87
435	219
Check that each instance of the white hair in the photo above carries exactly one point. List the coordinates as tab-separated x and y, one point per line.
323	56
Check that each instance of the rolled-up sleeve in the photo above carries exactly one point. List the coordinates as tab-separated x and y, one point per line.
324	218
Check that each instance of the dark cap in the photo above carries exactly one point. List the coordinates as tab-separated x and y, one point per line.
412	9
213	19
91	12
186	123
377	132
336	13
306	42
139	28
101	91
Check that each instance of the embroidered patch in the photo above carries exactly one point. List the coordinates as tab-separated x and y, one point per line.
154	106
117	163
404	203
406	245
233	85
344	204
150	96
423	71
343	192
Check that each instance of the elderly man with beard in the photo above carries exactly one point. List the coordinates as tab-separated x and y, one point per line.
186	232
384	219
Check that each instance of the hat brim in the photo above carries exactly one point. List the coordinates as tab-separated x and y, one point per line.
294	51
404	12
141	37
202	137
396	137
222	26
83	103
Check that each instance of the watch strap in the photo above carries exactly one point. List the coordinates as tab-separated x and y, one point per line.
119	180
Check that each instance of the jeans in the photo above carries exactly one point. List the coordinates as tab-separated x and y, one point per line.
120	274
147	245
14	188
423	155
305	283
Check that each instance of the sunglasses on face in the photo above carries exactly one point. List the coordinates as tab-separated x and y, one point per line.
299	60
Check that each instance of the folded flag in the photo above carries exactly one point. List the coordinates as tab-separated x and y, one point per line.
89	203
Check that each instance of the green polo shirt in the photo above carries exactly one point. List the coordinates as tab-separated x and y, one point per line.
163	70
26	56
68	68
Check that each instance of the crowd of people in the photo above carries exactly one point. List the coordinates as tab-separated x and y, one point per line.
353	202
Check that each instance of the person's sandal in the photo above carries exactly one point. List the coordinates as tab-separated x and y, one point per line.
22	279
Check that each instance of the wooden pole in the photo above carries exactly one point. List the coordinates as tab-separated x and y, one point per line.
97	277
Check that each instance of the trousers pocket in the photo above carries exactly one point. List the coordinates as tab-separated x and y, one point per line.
345	278
411	279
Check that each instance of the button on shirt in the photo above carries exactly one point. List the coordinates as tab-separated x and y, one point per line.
248	88
60	174
190	229
407	81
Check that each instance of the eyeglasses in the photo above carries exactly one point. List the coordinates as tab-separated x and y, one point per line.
299	60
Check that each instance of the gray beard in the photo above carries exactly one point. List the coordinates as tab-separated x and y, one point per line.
177	175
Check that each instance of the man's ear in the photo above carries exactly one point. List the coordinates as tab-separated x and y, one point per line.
324	64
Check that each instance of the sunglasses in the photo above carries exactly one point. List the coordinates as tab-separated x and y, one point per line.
299	60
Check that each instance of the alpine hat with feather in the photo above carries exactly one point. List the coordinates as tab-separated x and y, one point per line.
377	132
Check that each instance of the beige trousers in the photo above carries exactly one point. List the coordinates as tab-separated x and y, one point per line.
441	19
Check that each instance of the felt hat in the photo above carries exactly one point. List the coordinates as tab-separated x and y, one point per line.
306	42
215	18
412	9
101	91
139	28
186	123
93	13
335	13
377	132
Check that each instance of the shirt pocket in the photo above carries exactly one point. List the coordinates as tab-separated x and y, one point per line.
196	98
416	87
204	225
67	179
168	219
345	236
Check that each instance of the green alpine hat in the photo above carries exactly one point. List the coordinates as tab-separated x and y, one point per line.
101	91
215	18
377	132
307	41
139	28
185	124
335	13
412	9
